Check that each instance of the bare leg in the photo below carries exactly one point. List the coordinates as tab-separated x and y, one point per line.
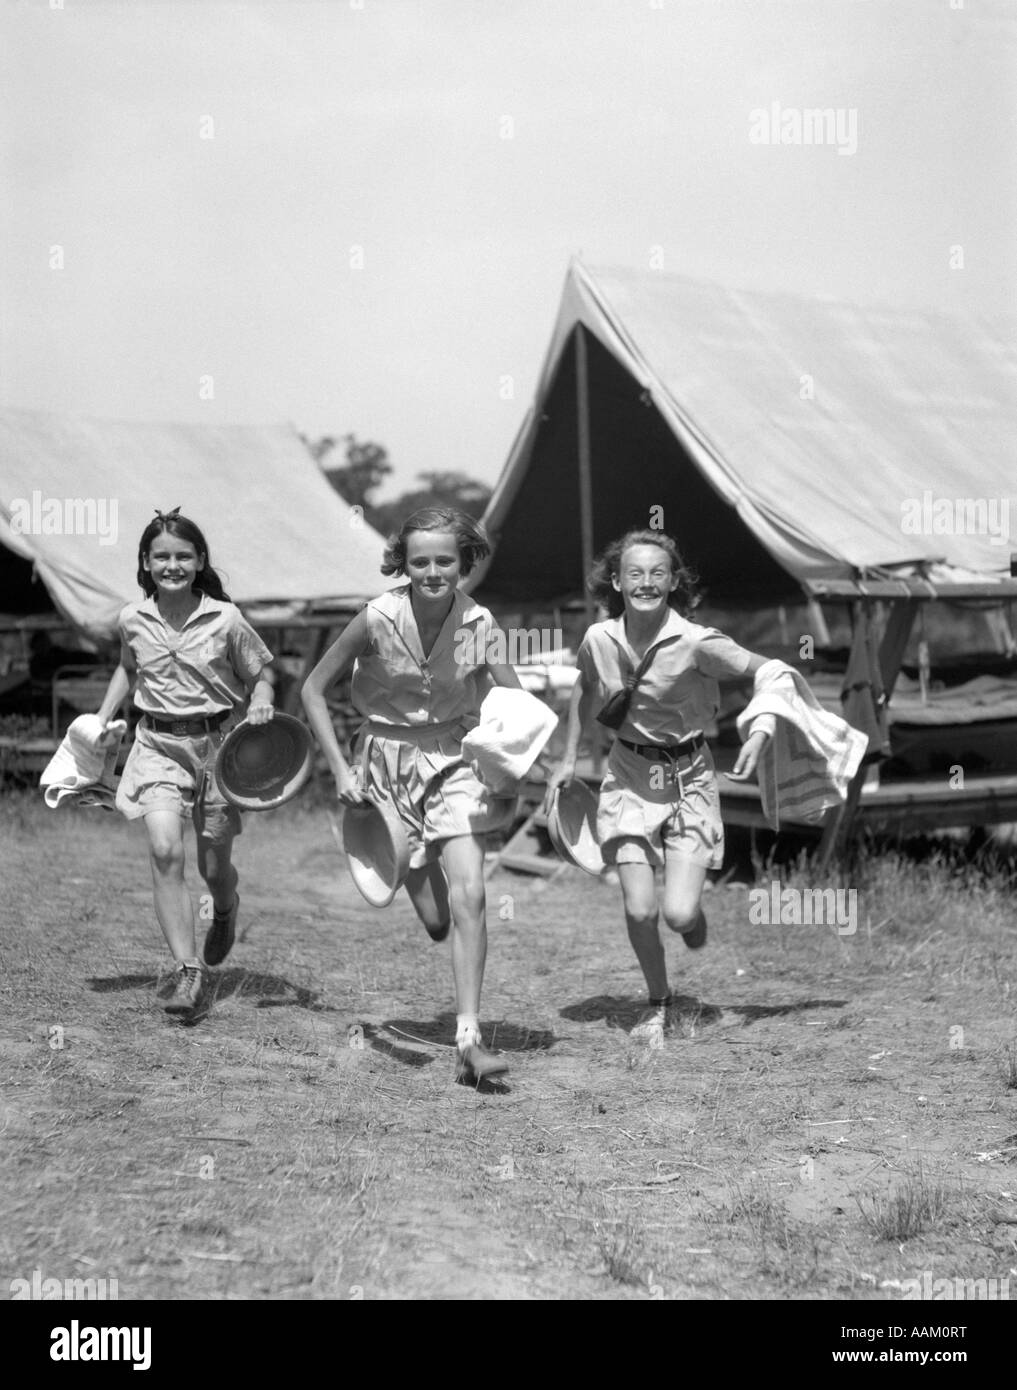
215	864
428	892
172	900
684	881
639	892
464	864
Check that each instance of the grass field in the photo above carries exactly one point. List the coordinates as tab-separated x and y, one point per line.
835	1115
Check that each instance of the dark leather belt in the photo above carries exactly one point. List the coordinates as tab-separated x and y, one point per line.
186	728
683	749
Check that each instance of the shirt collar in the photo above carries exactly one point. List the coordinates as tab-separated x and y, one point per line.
397	606
150	607
467	610
398	609
674	626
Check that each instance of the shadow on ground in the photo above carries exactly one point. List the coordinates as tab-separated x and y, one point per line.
625	1011
412	1041
498	1034
265	991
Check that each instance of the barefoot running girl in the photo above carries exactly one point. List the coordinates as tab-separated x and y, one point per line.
659	804
196	662
420	670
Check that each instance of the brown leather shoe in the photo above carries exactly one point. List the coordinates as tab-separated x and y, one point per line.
187	989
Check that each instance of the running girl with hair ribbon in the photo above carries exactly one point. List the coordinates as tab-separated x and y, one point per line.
198	666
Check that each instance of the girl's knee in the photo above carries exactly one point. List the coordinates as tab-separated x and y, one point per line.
640	902
641	916
468	901
681	917
167	854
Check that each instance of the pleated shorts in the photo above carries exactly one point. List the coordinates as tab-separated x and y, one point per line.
436	794
170	772
649	811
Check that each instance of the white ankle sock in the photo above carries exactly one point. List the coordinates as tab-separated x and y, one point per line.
467	1030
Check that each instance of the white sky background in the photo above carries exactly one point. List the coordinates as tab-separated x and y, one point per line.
383	127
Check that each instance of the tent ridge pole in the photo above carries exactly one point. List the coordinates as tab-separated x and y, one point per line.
585	493
585	464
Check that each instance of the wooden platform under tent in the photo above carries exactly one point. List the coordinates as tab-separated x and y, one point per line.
970	725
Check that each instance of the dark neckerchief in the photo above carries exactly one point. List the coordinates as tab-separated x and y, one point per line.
616	709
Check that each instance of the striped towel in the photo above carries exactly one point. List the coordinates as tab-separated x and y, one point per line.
807	764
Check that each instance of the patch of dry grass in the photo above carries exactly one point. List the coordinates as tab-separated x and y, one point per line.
916	1203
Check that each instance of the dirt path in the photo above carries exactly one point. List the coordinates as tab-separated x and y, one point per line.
305	1140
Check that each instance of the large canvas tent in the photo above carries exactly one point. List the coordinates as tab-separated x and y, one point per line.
76	494
788	443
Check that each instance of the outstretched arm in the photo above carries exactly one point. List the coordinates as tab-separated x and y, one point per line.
762	729
335	664
119	686
580	709
501	672
504	675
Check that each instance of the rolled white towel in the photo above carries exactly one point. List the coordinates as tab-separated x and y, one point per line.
514	727
86	759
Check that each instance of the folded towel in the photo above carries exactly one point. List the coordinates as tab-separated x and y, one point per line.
82	768
104	798
805	768
539	679
514	727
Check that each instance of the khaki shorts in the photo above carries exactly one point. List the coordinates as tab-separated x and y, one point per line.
169	772
647	814
436	794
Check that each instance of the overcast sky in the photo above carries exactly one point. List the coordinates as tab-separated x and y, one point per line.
358	215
